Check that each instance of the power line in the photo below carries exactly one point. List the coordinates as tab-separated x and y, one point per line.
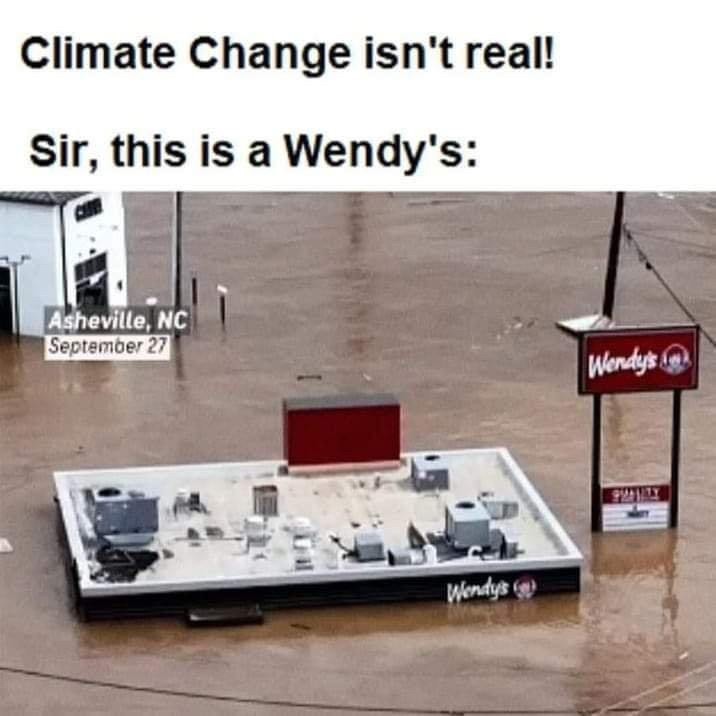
316	706
648	264
700	249
338	708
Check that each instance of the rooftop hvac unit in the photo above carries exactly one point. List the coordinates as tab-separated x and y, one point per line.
467	524
118	512
429	472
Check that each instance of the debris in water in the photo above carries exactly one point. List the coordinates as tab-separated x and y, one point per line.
436	202
5	546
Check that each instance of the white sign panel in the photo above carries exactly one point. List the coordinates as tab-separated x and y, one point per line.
635	507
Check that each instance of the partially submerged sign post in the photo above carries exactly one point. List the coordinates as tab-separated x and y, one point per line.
631	360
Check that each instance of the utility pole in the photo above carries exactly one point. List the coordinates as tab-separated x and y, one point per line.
610	286
13	265
610	281
177	254
151	303
222	291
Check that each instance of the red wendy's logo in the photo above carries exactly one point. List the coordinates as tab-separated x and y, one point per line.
675	359
524	587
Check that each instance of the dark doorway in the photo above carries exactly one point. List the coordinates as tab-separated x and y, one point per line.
5	301
91	283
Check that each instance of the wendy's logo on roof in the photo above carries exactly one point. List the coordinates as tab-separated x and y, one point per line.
675	359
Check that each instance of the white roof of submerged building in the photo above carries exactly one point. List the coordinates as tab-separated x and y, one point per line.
209	548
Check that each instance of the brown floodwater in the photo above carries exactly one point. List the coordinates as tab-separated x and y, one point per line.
448	300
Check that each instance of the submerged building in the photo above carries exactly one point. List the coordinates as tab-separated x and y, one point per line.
59	249
344	518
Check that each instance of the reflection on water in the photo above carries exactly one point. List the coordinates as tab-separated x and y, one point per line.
360	284
633	612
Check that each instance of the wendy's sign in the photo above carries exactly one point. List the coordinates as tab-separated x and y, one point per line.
630	360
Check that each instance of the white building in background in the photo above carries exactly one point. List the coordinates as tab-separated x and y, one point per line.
75	254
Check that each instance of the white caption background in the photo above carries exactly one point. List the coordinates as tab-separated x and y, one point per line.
628	105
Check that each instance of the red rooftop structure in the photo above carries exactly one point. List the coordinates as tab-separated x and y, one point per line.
341	430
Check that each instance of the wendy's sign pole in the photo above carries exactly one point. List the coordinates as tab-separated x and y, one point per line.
675	459
633	360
